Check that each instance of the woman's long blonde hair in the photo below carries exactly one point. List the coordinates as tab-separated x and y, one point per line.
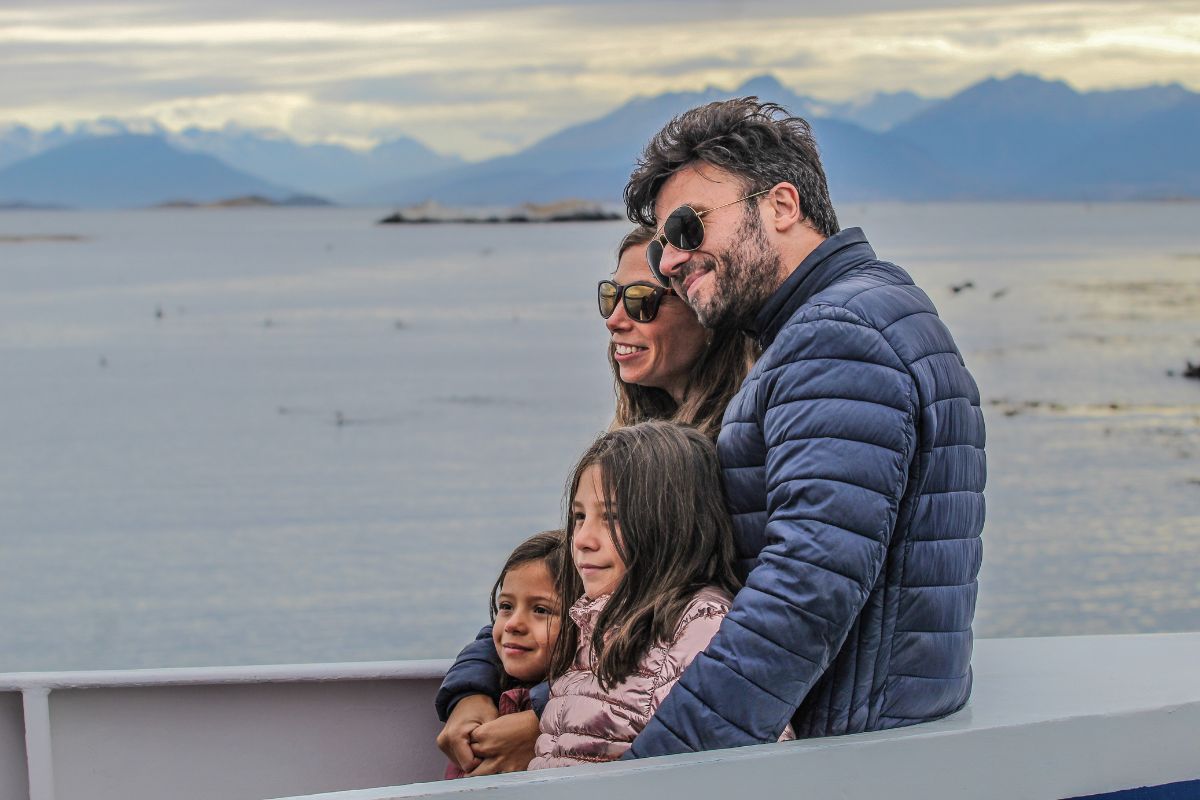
712	382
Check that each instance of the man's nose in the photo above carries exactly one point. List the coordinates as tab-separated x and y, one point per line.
672	260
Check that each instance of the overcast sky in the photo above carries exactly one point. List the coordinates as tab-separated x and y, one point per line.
478	78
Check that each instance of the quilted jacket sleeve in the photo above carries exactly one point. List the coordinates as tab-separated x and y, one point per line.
477	671
835	411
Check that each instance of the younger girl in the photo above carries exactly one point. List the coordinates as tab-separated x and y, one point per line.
651	549
525	620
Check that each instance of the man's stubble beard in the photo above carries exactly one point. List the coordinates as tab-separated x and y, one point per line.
745	274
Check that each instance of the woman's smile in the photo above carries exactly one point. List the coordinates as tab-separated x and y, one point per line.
659	353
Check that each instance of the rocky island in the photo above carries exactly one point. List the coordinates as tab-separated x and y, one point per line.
432	211
250	201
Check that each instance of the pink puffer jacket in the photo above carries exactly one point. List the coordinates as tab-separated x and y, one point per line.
582	723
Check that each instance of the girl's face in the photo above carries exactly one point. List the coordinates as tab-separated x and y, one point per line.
592	547
659	353
527	622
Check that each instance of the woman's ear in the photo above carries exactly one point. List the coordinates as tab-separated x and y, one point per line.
783	207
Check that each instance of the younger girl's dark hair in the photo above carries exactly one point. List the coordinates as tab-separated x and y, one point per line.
548	546
662	489
713	381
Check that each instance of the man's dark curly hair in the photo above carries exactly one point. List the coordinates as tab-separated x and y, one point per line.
759	142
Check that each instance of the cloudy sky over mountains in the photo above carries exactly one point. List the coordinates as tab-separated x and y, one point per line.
483	77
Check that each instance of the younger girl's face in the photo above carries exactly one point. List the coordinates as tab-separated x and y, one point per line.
592	547
527	622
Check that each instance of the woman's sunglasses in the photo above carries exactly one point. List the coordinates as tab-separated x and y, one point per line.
641	299
683	230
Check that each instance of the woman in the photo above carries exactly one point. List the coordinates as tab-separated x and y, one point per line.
666	366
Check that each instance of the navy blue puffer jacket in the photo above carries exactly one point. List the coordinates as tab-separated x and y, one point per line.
854	470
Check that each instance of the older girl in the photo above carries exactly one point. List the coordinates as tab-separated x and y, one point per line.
652	550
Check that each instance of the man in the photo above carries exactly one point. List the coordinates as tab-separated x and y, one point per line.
852	456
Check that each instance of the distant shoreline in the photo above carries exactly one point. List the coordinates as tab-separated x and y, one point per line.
433	213
41	237
495	215
250	201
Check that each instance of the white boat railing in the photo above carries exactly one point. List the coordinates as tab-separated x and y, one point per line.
1049	719
221	732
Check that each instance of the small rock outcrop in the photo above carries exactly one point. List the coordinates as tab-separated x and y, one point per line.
431	211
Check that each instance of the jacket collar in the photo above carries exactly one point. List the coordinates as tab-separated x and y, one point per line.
831	259
586	609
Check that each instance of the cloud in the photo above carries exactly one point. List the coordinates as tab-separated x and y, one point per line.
481	78
707	64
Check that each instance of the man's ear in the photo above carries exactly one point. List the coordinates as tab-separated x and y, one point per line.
783	207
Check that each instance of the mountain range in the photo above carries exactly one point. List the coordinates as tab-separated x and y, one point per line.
1016	138
126	170
1029	138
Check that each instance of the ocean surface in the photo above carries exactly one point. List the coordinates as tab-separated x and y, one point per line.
291	435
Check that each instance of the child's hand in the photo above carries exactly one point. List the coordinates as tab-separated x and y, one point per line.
505	744
455	738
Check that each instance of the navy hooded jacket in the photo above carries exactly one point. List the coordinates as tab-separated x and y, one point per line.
854	470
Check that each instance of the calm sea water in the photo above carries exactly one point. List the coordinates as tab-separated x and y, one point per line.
264	436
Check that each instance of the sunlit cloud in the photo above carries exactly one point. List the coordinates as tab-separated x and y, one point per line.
485	78
273	110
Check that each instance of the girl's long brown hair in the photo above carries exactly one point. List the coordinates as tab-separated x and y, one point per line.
714	379
662	486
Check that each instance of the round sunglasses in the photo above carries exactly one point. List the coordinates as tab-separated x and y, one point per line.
641	299
683	230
